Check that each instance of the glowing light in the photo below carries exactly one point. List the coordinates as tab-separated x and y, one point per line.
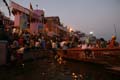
70	29
91	32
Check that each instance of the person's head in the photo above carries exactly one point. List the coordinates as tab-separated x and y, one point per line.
113	37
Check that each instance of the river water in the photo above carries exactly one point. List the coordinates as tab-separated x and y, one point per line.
51	69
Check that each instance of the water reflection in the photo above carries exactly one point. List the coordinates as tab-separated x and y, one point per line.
57	69
84	71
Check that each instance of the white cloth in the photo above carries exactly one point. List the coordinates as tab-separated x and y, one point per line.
62	43
84	46
21	50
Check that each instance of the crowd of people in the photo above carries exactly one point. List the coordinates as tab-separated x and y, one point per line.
100	43
25	41
18	42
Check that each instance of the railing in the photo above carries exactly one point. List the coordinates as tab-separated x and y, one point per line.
97	55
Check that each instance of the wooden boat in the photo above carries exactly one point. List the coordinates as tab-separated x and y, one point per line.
109	56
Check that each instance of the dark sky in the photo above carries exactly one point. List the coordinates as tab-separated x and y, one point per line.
98	16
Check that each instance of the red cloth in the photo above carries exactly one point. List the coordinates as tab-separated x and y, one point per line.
21	41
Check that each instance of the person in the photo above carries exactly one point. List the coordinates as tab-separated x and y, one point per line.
113	42
54	45
21	40
88	51
79	44
65	47
43	43
62	44
13	50
19	55
37	44
103	43
84	45
97	45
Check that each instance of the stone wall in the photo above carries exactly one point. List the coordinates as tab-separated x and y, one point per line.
3	52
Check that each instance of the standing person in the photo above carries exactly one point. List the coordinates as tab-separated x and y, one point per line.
20	53
84	45
79	44
54	45
26	37
21	41
62	44
65	47
103	43
14	46
113	42
43	43
32	43
97	45
37	44
48	45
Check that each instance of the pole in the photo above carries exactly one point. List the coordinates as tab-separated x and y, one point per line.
115	31
5	2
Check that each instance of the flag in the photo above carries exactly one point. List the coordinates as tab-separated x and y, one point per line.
30	13
31	8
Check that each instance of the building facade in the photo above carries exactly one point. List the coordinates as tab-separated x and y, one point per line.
6	21
35	22
54	27
26	19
